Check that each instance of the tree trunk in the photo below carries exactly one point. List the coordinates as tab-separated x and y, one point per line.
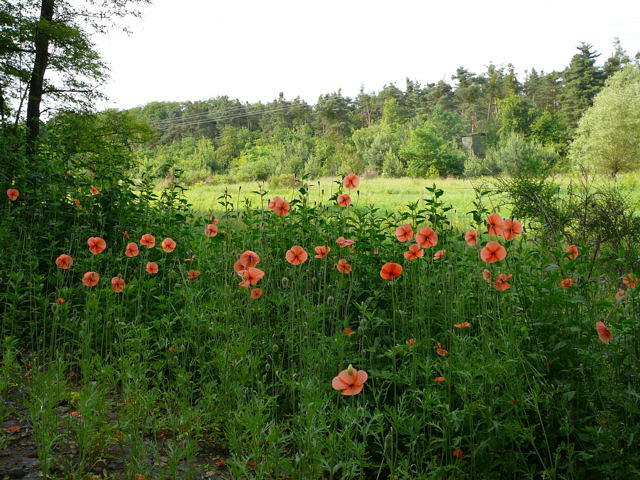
36	82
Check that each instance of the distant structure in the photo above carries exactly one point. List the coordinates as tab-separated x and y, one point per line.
474	143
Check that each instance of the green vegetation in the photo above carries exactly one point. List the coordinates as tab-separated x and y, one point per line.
149	331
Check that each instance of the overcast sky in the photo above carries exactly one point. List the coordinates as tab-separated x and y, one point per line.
254	49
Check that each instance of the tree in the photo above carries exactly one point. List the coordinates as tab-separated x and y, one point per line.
608	135
582	80
617	61
48	55
428	154
516	114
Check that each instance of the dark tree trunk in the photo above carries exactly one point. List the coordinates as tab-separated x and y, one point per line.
36	82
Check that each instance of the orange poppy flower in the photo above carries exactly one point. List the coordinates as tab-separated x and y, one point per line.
603	332
348	332
249	258
256	293
152	267
193	274
414	252
572	252
125	234
512	228
502	283
404	233
94	190
250	277
279	206
131	250
344	200
351	181
427	237
458	453
343	266
60	300
630	281
620	293
74	413
411	342
350	381
486	274
439	379
439	254
493	252
296	255
211	230
13	428
78	204
471	237
168	245
462	325
495	224
343	242
566	283
64	261
117	284
321	252
148	240
391	270
96	245
441	351
90	279
13	194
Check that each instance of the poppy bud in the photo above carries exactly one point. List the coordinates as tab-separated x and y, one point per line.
285	282
329	300
275	348
388	442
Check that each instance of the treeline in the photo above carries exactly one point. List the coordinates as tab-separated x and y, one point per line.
417	130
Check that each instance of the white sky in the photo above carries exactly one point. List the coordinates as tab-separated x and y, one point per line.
254	49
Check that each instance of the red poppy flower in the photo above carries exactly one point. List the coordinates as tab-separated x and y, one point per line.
74	414
152	267
78	204
493	252
458	453
441	351
439	379
343	266
117	284
193	274
90	279
462	325
427	237
256	293
343	242
495	224
502	283
404	233
94	190
250	277
125	234
131	250
411	342
471	237
348	332
572	252
13	194
603	332
620	293
168	245
344	200
439	254
391	270
351	181
296	255
211	230
64	261
148	240
96	245
249	258
321	252
630	281
414	252
60	300
486	274
350	381
512	228
566	283
13	428
279	206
